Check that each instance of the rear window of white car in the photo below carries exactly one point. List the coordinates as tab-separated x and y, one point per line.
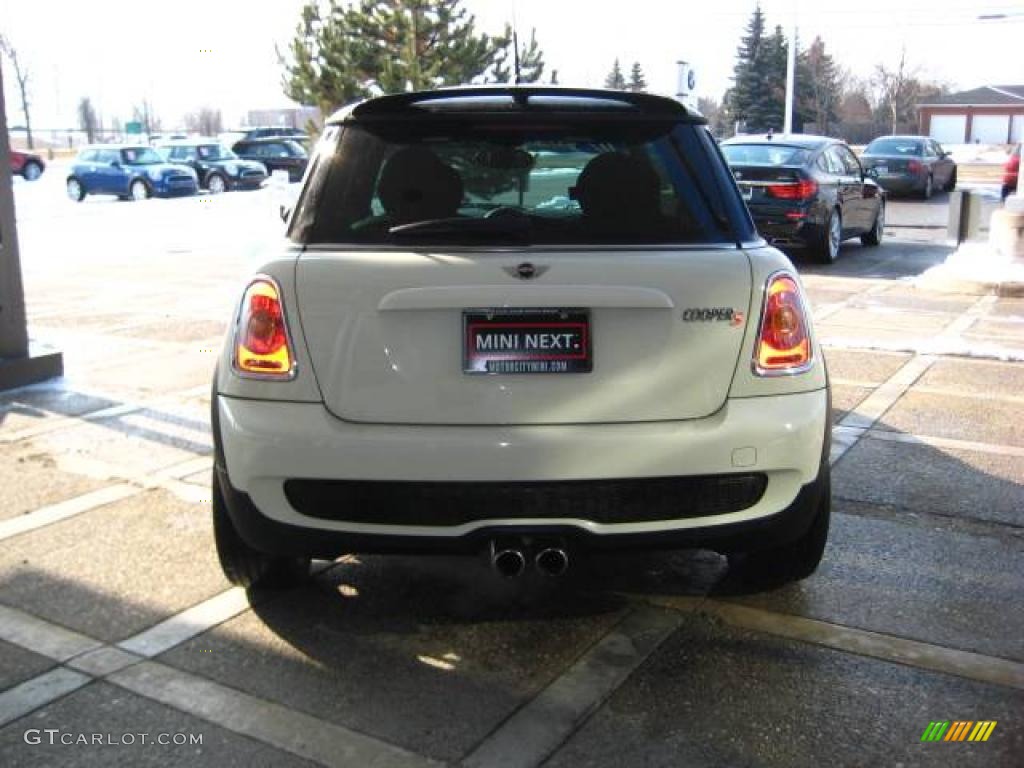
534	182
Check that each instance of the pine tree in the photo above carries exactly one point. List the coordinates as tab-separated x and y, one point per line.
344	51
818	87
615	79
758	95
637	81
531	61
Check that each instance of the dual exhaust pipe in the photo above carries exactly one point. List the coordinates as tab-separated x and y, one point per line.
508	558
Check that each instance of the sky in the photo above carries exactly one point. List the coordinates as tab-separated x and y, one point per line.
188	53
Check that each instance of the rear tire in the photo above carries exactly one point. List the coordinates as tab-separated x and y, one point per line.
826	250
31	171
75	190
798	559
877	232
243	565
951	184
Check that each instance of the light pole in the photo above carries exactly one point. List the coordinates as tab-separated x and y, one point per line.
20	362
787	120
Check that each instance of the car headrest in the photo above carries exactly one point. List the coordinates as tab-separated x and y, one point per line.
416	185
616	186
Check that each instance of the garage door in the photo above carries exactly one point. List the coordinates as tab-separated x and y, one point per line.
949	129
990	129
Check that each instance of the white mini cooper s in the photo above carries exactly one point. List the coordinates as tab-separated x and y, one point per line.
526	321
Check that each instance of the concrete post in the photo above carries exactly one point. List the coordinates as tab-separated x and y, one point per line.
20	363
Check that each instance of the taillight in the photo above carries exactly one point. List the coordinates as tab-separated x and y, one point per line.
783	343
261	337
914	166
804	189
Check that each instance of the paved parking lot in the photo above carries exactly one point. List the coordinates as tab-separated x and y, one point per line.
115	620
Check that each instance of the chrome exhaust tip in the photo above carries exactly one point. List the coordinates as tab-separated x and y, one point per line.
554	561
508	562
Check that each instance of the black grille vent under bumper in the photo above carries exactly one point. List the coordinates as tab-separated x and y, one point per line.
599	501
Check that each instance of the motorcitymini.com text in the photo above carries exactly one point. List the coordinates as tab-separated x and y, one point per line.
55	736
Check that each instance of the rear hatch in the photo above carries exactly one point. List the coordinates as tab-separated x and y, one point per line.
521	256
756	182
889	164
386	332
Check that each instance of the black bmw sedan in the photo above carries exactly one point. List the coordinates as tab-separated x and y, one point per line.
806	192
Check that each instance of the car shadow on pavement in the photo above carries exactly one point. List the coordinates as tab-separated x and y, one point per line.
889	262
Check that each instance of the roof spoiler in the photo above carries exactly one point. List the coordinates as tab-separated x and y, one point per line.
637	104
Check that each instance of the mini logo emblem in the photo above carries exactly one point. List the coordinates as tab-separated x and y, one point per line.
525	271
738	174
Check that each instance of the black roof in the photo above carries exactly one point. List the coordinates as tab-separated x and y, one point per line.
987	95
801	140
517	99
272	139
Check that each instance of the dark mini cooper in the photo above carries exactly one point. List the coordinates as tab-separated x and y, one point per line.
806	192
218	168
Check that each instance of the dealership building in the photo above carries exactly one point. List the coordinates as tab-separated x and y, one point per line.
992	114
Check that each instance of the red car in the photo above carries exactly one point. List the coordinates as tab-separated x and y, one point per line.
31	167
1011	172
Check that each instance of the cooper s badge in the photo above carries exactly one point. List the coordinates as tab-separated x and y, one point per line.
713	315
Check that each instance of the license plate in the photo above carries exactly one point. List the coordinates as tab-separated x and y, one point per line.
881	170
747	192
526	341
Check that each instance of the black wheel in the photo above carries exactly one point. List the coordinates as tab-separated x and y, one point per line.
826	250
75	190
951	184
31	171
929	188
243	565
216	183
798	559
877	232
139	190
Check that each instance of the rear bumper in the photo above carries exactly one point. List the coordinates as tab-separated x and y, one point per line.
904	185
784	232
262	445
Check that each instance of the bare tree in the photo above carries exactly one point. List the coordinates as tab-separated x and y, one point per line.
206	121
21	74
895	91
143	113
87	119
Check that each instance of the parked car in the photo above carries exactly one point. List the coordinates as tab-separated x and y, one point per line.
132	172
29	165
217	167
1011	172
806	192
523	321
275	154
910	165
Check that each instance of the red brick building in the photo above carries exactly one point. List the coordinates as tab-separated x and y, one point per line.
992	114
